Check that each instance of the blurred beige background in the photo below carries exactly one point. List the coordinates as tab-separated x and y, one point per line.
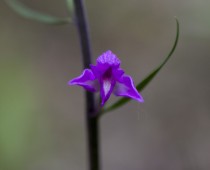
42	122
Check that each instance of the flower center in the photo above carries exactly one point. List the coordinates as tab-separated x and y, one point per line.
108	73
107	80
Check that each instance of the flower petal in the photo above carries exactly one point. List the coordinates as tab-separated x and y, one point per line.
107	86
108	58
117	73
98	71
86	80
125	87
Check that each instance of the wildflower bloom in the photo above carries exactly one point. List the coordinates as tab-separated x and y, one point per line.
107	77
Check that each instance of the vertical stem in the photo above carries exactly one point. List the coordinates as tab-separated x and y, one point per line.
92	121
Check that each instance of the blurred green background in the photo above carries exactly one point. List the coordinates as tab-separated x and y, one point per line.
42	122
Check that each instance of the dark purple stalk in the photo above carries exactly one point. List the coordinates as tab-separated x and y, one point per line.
92	121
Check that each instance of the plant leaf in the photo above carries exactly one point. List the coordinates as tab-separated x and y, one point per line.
70	5
28	13
148	79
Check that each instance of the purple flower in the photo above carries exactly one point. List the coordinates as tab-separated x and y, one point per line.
107	77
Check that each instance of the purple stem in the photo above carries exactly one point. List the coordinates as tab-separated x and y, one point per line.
92	121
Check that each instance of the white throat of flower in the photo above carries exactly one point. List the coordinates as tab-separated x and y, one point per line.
106	86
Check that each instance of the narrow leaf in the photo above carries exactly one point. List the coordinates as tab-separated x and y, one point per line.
148	79
70	5
28	13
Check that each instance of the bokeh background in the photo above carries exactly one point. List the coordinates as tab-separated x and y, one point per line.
42	121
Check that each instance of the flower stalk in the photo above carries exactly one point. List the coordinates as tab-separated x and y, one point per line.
92	121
